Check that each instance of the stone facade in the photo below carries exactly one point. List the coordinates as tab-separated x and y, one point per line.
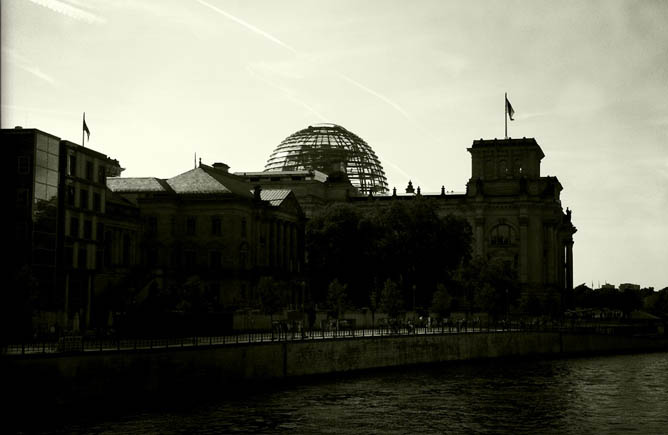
213	227
515	214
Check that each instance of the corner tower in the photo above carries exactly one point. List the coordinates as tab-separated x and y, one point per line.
517	214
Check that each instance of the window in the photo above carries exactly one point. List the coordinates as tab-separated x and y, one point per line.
88	229
69	257
152	225
83	199
24	165
502	235
190	259
22	197
81	258
70	195
74	227
176	257
99	232
101	174
152	257
173	225
191	226
72	166
99	258
243	227
89	170
126	250
107	248
215	226
214	259
97	202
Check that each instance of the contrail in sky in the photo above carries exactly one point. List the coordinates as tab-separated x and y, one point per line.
249	26
277	41
14	57
381	97
69	11
287	92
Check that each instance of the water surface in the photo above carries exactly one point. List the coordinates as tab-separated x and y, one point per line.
609	394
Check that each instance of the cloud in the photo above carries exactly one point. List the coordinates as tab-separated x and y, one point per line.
71	11
14	57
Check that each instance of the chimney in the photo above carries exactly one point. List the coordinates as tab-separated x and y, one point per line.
222	166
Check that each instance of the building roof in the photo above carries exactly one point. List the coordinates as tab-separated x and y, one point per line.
138	184
201	180
312	174
510	142
274	196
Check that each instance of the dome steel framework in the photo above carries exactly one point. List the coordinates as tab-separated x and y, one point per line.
324	146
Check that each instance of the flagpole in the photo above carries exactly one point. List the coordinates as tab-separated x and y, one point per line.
82	129
505	118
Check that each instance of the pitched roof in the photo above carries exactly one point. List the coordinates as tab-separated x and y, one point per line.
205	179
139	184
274	196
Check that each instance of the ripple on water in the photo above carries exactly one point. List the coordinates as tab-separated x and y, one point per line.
614	394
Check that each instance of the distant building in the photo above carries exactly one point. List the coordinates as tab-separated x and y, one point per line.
312	188
60	218
515	213
214	226
628	286
81	230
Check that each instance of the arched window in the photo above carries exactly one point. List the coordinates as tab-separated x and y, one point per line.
502	235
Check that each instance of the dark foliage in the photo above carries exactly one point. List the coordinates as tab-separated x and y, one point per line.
406	242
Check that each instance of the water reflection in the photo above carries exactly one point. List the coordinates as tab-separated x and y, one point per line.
618	394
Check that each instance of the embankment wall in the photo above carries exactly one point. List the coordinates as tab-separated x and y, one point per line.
67	378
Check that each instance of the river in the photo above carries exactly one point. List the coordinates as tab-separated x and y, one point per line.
606	394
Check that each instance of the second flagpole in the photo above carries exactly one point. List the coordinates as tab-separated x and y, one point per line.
505	110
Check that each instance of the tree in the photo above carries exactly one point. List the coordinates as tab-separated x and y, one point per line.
391	300
441	304
374	302
406	242
269	290
337	299
489	286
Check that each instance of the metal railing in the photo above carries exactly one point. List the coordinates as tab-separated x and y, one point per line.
79	344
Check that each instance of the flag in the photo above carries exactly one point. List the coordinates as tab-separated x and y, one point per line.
88	131
509	110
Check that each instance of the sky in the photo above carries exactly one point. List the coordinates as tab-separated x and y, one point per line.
419	81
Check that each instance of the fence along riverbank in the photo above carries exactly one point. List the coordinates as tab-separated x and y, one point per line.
283	332
173	371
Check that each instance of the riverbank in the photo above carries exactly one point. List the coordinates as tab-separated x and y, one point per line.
62	381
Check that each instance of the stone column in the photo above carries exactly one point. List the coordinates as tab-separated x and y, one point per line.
569	264
88	301
524	248
479	234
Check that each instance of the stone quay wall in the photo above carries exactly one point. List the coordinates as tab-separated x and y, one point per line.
63	379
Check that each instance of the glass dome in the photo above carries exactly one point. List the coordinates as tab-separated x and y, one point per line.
330	148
